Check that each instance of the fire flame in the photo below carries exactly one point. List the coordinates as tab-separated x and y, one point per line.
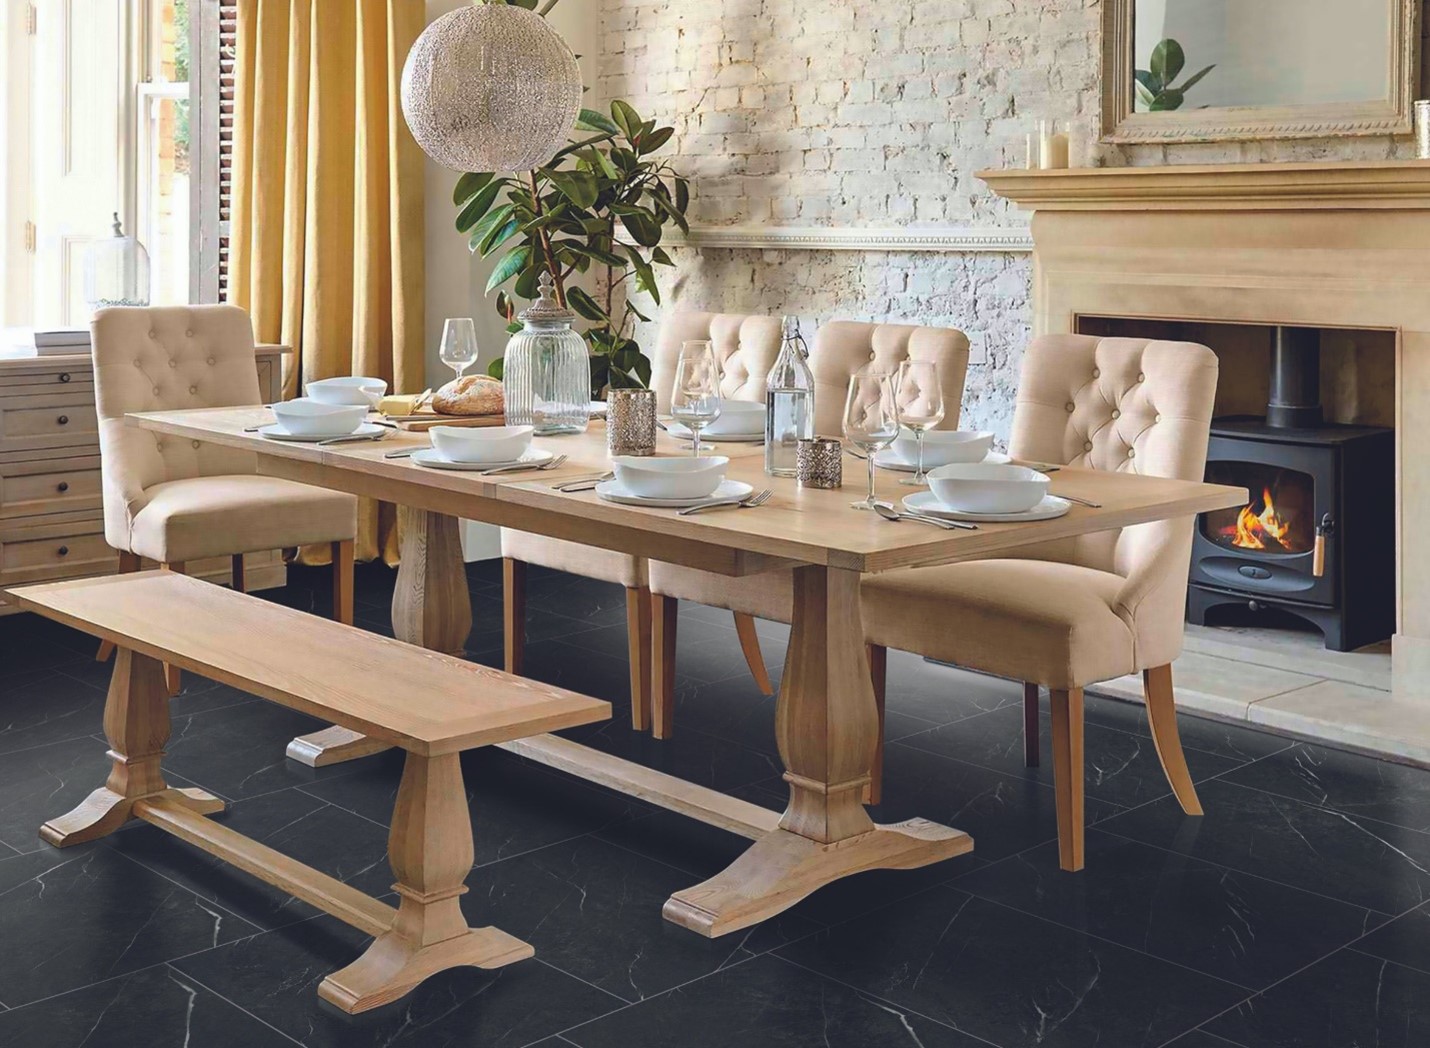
1252	530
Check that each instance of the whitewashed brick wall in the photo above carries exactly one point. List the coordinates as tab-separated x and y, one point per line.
860	113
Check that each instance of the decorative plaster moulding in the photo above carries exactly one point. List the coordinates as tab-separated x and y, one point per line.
1011	239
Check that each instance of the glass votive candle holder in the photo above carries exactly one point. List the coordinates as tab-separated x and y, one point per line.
630	421
819	463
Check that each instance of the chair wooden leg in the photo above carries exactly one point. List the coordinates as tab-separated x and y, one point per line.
127	562
1067	775
237	580
172	677
878	675
513	575
1162	718
638	630
664	612
343	581
1030	725
754	658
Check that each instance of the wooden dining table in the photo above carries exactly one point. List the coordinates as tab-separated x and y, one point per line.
826	720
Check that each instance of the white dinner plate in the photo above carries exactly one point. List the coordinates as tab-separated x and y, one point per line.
275	431
927	503
430	458
675	429
884	460
612	491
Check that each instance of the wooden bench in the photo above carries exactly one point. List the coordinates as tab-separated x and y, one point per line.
432	705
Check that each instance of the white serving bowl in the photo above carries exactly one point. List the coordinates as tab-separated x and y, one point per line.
481	444
347	390
304	417
942	447
670	478
985	487
738	418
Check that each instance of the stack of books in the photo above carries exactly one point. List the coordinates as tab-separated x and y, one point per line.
59	342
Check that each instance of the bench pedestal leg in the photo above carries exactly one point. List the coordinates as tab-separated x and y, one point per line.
136	723
430	848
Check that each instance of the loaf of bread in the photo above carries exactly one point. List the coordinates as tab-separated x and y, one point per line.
469	395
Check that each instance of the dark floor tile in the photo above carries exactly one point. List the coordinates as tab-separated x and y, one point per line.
1005	814
601	675
337	842
1346	782
594	910
769	1003
190	698
239	751
87	914
943	694
48	707
1202	1039
1010	978
691	755
1208	734
1349	999
1405	940
576	597
155	1007
703	652
516	806
1230	925
1380	867
1118	767
275	976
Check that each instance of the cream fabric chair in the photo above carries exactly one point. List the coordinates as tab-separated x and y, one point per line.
840	349
176	501
1072	613
746	347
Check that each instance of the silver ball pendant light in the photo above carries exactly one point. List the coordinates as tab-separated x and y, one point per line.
491	87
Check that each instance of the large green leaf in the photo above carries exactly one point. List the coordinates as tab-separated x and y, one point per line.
499	235
1167	60
579	187
1170	99
511	264
590	120
491	220
1191	81
526	284
468	186
682	195
1147	80
497	368
585	305
626	119
477	207
1147	97
649	143
645	275
642	227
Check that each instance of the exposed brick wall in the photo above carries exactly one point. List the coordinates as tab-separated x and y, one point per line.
877	113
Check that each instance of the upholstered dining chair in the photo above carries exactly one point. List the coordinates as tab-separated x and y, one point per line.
177	501
746	347
1069	614
840	349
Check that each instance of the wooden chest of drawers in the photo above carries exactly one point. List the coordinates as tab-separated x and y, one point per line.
51	505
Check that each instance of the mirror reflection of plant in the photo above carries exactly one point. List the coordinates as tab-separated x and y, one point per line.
601	201
1154	85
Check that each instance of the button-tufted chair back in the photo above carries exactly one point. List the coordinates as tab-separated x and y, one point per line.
745	347
1123	404
842	347
166	359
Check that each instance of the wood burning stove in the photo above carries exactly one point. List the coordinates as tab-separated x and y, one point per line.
1317	536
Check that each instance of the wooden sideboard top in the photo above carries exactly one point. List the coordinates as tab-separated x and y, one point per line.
23	359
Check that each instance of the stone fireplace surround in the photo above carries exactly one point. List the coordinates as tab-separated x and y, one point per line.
1342	245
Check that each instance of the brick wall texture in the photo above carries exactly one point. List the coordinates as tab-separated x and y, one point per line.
877	113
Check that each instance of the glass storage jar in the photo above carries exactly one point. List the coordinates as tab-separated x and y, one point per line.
116	271
546	377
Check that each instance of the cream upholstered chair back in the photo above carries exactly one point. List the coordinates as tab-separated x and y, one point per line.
166	359
842	347
1133	405
745	347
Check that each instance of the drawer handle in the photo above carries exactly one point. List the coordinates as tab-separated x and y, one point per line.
64	420
64	551
64	376
64	486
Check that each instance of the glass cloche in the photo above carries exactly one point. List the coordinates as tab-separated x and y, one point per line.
116	271
546	377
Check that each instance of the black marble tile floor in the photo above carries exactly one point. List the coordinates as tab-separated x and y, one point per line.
1296	914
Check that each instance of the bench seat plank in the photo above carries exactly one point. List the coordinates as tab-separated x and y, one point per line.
425	702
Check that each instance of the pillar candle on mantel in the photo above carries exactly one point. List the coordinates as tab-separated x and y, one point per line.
1052	147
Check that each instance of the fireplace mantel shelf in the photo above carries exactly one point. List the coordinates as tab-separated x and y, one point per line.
1339	186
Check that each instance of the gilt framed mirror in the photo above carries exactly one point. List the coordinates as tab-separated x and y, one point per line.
1221	70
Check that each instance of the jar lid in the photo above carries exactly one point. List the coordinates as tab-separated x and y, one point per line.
546	310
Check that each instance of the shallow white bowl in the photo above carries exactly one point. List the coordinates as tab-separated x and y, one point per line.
484	444
738	418
670	478
941	447
983	487
347	390
309	418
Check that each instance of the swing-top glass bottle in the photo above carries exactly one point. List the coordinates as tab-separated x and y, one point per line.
789	402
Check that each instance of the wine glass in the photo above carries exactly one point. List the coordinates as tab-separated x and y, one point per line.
871	418
920	398
459	344
695	401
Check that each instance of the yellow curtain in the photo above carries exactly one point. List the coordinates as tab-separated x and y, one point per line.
327	223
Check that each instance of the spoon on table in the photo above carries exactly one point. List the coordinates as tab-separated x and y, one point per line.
888	512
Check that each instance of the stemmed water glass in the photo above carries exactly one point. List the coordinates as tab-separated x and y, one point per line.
459	344
695	401
920	398
871	418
